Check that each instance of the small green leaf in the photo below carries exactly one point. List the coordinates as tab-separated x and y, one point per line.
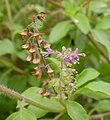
102	106
97	90
6	47
59	31
24	115
76	111
37	111
104	23
51	103
82	23
102	37
85	76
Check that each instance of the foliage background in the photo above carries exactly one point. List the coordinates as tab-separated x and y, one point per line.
60	29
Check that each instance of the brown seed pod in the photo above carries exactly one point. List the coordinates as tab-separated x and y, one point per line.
36	59
43	91
36	34
37	73
26	45
29	57
32	48
25	34
40	16
50	72
47	94
45	83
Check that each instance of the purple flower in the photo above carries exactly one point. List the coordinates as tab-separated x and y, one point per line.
49	51
71	85
71	57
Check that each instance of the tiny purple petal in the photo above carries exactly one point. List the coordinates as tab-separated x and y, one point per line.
71	85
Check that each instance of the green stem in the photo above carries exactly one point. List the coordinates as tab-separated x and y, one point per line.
89	35
60	80
59	115
9	12
20	97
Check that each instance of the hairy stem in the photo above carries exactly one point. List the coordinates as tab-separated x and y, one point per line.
20	97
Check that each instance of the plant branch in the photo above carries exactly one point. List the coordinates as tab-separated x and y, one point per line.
99	116
20	97
97	47
56	3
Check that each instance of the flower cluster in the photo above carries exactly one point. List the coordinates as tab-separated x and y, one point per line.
39	49
70	57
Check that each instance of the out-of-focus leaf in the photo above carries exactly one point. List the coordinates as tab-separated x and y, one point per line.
97	90
104	23
6	47
59	31
82	23
17	82
97	6
76	111
24	115
70	8
102	106
102	37
86	75
37	111
51	103
22	55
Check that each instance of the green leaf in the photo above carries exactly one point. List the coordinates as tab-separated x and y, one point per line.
85	76
51	103
18	83
102	37
6	47
104	23
97	90
102	106
97	6
82	23
76	111
24	115
37	111
59	31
